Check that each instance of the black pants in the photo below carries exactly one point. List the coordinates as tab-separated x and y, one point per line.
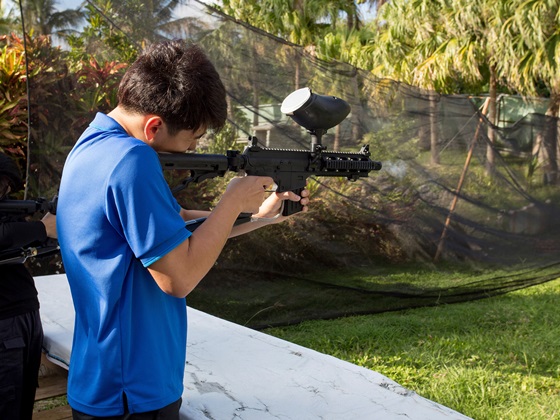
170	412
21	338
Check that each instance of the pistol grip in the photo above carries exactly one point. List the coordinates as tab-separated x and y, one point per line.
291	207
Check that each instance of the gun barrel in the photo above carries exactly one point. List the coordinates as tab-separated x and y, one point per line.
23	207
352	165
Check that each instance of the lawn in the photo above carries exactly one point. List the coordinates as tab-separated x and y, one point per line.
495	358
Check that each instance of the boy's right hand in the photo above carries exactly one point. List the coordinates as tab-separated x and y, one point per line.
248	192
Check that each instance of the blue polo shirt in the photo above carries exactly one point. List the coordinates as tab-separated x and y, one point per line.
116	216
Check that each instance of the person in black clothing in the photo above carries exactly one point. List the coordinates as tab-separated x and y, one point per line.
21	332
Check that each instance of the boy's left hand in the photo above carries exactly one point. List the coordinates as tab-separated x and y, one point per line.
272	206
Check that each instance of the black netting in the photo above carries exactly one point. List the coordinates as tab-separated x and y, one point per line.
454	191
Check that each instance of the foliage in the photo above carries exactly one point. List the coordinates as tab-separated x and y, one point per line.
13	98
100	39
96	89
143	22
347	46
532	45
8	21
47	75
50	114
387	141
222	141
118	30
56	120
42	18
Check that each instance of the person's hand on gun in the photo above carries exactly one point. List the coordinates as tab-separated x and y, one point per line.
49	220
248	192
271	208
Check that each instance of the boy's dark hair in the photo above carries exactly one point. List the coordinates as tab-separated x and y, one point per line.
178	83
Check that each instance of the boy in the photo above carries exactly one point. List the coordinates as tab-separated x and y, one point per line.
129	259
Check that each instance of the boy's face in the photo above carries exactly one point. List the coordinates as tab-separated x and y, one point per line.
182	141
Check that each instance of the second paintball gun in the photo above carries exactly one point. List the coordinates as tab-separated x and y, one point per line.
289	168
14	209
28	207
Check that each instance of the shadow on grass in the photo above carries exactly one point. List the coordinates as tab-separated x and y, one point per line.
260	300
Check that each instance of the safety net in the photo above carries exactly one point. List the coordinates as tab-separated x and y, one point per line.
460	209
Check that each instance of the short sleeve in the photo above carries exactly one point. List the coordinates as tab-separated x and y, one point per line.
140	205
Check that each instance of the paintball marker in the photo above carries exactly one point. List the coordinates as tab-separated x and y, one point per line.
12	209
27	207
289	168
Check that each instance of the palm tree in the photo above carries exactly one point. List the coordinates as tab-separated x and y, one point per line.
299	21
352	10
468	49
118	30
314	25
42	18
441	45
143	20
7	20
304	23
532	51
408	33
102	37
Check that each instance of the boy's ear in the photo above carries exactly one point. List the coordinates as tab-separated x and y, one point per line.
153	124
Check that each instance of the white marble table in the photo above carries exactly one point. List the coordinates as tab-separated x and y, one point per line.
233	372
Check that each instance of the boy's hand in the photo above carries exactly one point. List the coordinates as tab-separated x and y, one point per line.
49	220
272	206
248	192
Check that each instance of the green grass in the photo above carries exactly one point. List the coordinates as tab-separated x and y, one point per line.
50	403
495	358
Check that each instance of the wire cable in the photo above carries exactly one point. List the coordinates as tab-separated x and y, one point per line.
28	158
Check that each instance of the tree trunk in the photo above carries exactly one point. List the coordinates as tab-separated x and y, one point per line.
356	114
492	118
230	110
255	86
336	144
550	140
297	66
433	98
255	104
352	21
